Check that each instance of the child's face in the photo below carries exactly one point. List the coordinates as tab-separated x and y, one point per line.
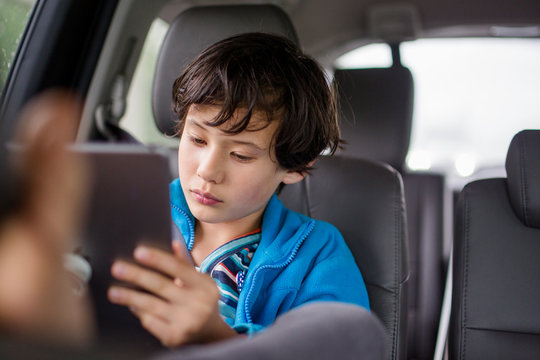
228	178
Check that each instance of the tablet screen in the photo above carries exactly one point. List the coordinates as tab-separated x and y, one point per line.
128	205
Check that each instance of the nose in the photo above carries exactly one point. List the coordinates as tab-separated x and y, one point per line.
211	166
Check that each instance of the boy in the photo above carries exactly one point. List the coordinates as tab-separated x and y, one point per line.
254	113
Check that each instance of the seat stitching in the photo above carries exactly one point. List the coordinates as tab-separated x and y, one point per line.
397	231
503	331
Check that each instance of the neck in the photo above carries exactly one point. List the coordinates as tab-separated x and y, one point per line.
210	236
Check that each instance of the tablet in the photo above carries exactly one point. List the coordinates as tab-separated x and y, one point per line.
128	204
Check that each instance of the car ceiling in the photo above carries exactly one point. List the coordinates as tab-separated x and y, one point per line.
328	28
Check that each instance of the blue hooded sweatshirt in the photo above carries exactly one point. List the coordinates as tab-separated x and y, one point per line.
298	260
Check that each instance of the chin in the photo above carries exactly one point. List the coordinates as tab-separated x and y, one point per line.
207	216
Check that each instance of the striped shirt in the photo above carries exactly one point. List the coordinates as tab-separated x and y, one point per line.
228	265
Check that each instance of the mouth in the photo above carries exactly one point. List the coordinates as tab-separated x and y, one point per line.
205	198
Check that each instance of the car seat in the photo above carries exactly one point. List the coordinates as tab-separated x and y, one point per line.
372	219
364	200
376	107
495	308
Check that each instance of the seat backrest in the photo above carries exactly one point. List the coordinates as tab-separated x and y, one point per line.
376	108
495	307
364	200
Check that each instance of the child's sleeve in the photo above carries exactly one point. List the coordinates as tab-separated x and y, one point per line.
334	279
334	275
248	329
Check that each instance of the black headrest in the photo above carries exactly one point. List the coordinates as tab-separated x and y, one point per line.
376	107
523	172
197	28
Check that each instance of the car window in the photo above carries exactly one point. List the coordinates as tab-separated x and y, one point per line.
14	15
138	117
471	97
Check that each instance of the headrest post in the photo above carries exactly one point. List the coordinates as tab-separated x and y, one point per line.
396	54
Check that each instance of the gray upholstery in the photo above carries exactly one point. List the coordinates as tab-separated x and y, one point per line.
364	200
190	33
322	330
495	307
376	107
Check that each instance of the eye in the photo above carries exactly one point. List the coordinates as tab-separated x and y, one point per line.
241	158
197	141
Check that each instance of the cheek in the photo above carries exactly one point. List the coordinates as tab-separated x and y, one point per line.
186	159
259	188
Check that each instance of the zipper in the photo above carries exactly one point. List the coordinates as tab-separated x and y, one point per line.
278	266
190	225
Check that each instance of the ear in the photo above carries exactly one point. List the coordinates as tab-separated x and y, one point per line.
292	177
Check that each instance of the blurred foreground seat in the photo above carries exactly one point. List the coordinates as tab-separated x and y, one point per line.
321	330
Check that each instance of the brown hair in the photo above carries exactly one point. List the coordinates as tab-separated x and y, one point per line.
268	73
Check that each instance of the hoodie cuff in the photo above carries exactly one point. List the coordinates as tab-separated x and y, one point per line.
247	329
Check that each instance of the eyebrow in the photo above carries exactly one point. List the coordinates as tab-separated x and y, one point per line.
248	143
240	142
196	123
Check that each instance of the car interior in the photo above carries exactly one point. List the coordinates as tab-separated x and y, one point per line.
450	263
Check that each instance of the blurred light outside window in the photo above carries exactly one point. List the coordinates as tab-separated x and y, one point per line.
139	118
471	96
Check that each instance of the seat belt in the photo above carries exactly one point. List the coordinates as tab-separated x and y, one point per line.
442	336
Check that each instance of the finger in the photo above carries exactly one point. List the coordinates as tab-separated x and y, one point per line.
167	263
55	113
139	302
181	251
52	179
148	280
167	334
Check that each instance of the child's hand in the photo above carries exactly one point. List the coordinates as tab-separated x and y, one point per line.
180	305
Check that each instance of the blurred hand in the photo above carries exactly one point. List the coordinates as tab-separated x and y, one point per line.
36	297
179	305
